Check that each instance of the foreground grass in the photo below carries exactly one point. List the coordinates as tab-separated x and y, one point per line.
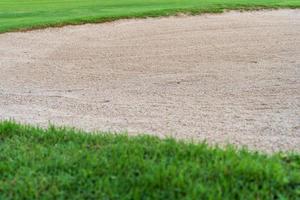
66	164
24	15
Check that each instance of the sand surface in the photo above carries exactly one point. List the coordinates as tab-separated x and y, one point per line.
227	78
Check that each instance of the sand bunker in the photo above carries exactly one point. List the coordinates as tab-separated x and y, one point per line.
231	77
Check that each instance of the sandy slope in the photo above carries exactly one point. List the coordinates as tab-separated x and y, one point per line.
232	77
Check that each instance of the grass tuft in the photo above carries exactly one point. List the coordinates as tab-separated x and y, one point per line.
62	163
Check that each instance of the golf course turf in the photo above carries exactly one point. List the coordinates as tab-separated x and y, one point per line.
25	15
67	164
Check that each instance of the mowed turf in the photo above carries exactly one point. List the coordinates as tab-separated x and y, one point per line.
66	164
29	14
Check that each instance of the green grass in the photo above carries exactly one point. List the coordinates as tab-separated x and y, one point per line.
66	164
30	14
